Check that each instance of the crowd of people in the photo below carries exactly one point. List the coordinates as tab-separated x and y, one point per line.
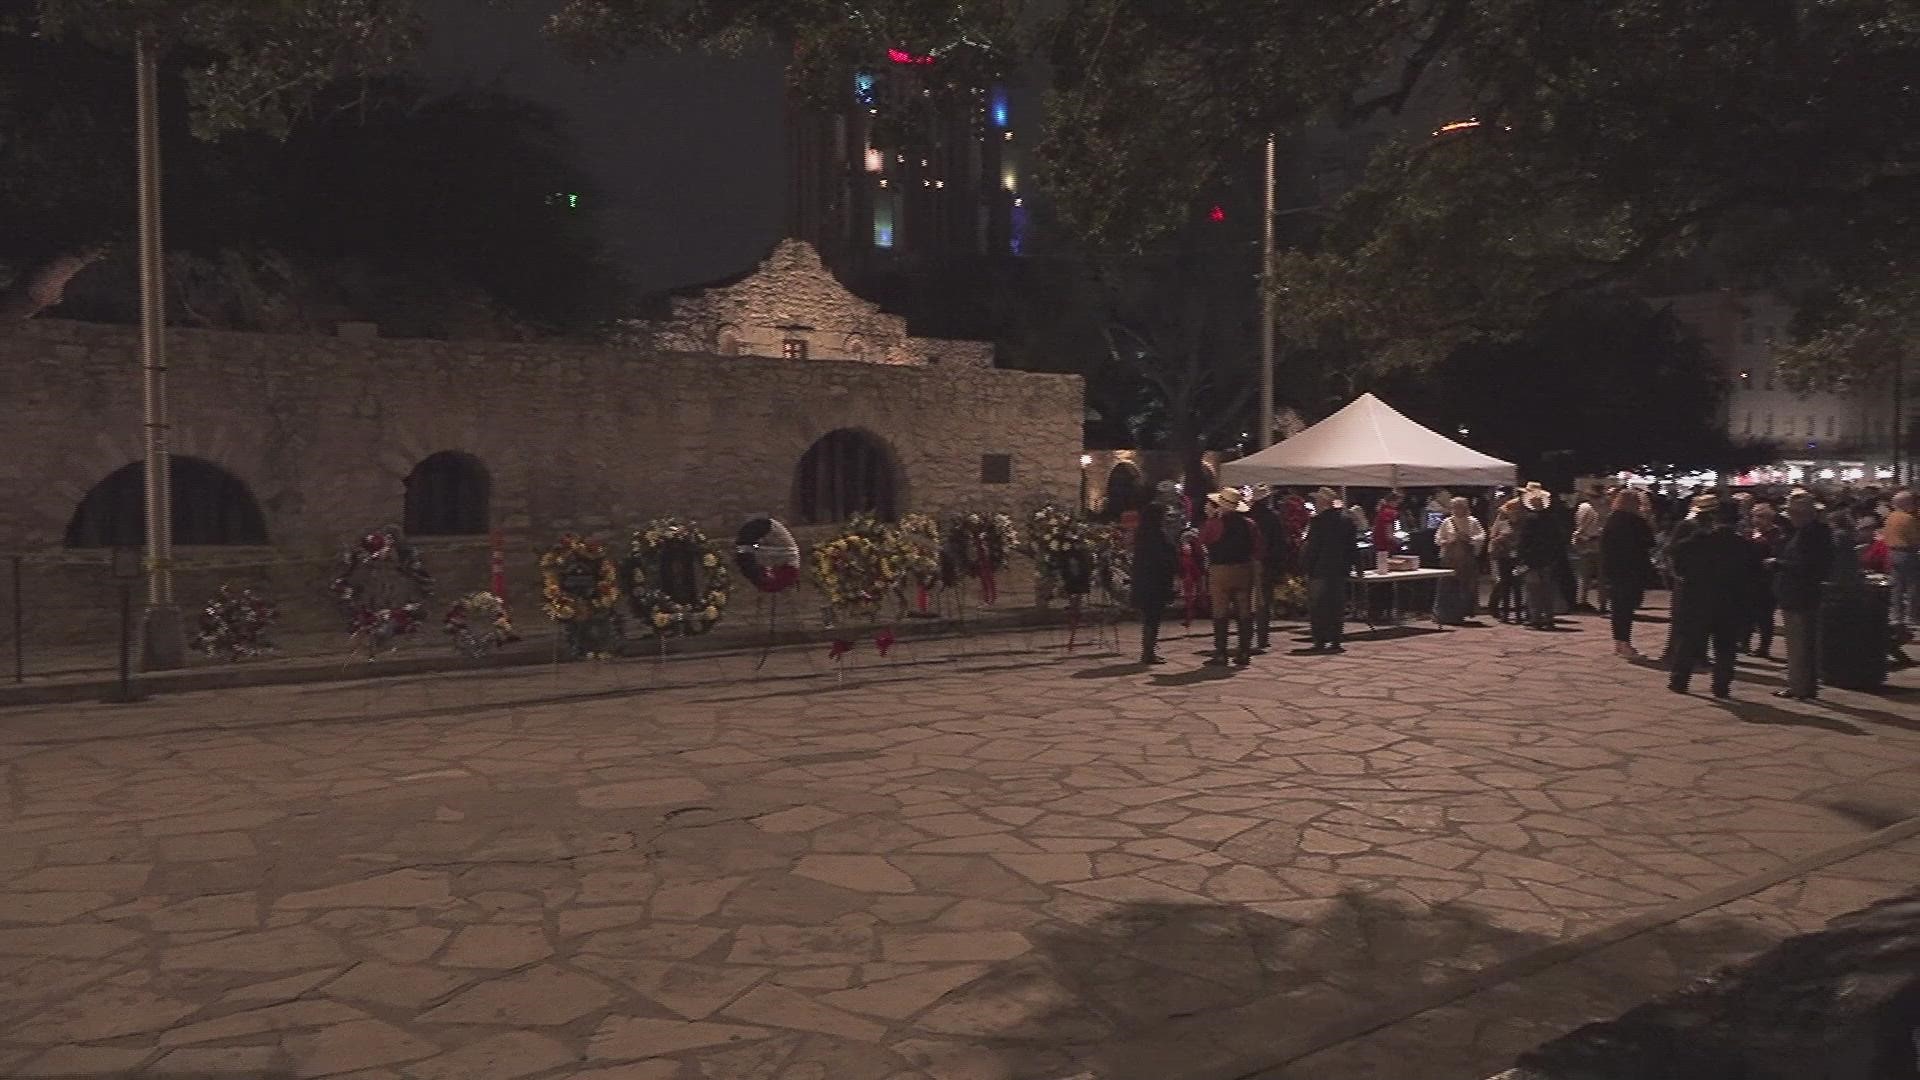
1735	566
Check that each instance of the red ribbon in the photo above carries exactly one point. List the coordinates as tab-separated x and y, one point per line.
840	648
884	641
989	592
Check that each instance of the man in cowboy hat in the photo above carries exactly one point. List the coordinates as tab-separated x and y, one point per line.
1234	549
1800	572
1156	558
1273	567
1541	546
1327	559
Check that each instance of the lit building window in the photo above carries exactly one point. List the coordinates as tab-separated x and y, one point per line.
793	349
1009	179
863	88
883	223
875	160
1746	377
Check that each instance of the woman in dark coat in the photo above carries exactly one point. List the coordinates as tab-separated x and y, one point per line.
1626	564
1156	559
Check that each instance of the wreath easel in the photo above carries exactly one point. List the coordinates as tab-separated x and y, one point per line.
581	587
383	587
676	579
766	554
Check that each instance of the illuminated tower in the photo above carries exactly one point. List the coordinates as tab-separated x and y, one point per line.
953	183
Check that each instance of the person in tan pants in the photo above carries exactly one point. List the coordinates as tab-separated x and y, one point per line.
1234	549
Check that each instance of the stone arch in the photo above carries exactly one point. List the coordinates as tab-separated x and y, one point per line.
210	506
1126	489
448	493
845	472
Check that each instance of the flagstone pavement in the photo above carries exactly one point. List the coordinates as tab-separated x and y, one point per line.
988	860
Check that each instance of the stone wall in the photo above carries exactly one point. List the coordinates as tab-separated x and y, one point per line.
323	431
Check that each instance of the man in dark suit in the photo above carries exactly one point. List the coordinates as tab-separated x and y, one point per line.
1717	563
1328	560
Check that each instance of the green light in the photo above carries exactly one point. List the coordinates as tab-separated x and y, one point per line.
573	201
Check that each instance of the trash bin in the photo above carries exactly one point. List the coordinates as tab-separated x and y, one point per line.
1854	633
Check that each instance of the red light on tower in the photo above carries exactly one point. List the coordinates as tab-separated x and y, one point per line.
902	56
1217	213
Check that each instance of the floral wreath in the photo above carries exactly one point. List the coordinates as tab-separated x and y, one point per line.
564	605
589	619
919	551
972	536
379	549
855	572
1064	549
1113	564
651	604
234	624
478	623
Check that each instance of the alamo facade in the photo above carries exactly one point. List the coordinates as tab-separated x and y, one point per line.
780	393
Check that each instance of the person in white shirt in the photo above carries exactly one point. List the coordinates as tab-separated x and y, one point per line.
1584	546
1461	538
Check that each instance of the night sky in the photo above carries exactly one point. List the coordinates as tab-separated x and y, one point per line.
686	149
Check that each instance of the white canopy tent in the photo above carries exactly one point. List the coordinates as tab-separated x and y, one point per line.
1369	444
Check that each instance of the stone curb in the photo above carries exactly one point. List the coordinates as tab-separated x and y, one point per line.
524	654
1549	956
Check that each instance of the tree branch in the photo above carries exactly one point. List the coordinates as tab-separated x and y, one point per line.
1451	17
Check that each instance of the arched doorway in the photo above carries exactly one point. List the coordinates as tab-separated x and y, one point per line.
1125	490
210	507
845	472
447	495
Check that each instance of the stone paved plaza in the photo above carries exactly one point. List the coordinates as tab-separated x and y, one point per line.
990	860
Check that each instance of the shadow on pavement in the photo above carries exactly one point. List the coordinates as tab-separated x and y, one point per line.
1394	633
1754	712
1113	671
1195	676
1168	991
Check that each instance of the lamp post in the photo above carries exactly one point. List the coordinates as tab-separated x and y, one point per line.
1086	461
1263	433
161	644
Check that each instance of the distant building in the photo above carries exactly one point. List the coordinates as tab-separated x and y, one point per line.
1849	434
868	201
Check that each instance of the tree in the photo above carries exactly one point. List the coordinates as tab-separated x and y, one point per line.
1592	141
250	65
435	215
1601	382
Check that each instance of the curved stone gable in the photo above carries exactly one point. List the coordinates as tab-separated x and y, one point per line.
792	297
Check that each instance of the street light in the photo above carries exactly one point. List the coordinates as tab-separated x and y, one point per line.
162	646
1086	460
